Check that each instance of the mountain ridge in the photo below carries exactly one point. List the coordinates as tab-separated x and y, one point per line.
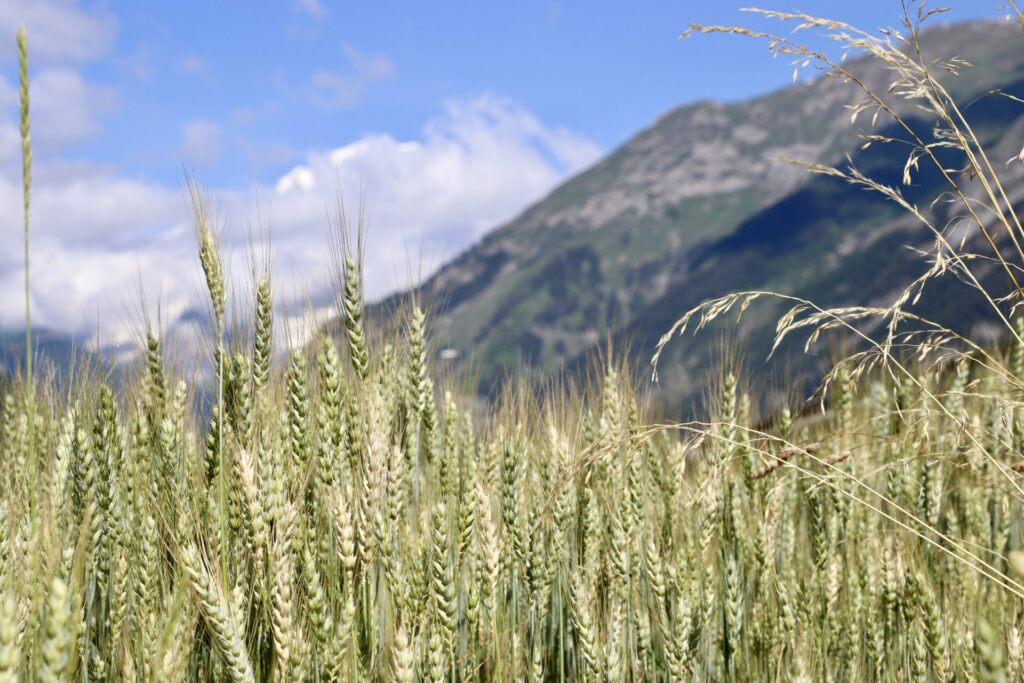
596	258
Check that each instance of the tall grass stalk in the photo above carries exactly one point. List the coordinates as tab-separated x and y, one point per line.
26	188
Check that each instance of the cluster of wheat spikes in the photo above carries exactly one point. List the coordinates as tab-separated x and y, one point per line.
326	525
341	517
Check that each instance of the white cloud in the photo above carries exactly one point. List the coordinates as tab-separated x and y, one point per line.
299	178
193	65
262	156
337	90
473	168
57	29
476	165
554	11
139	63
91	236
65	109
201	142
311	7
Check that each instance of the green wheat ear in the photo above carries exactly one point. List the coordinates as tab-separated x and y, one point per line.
26	174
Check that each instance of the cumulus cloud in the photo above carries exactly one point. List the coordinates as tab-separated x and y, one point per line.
65	110
201	142
338	90
58	30
477	164
92	234
473	168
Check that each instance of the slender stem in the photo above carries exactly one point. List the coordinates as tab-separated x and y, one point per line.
561	632
495	655
26	175
224	526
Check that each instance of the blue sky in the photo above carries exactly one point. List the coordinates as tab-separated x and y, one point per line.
445	118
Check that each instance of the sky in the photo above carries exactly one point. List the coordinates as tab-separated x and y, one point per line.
439	120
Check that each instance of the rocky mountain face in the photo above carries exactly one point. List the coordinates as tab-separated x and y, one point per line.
696	206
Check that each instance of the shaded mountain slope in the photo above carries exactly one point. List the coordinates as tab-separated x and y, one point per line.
694	207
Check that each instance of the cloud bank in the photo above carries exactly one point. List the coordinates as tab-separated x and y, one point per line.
97	233
59	30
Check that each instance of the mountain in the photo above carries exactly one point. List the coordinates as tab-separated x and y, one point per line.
56	353
694	207
64	355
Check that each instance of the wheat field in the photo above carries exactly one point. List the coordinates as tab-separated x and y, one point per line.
341	511
342	518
